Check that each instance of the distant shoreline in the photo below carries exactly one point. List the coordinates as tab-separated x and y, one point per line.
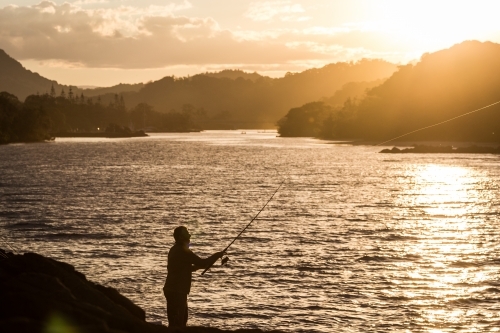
100	135
448	149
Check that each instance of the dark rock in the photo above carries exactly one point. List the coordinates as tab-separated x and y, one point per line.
118	298
38	292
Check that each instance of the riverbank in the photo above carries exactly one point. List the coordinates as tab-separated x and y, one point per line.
40	294
117	134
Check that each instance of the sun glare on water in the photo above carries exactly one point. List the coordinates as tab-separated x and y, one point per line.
443	190
449	230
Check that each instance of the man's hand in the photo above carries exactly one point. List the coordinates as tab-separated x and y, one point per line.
220	254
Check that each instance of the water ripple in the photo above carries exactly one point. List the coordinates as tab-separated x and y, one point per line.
352	242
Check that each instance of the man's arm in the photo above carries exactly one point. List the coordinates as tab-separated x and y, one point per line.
195	268
199	263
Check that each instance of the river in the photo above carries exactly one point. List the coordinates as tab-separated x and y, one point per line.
353	241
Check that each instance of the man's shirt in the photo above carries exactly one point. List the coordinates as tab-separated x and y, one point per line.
180	266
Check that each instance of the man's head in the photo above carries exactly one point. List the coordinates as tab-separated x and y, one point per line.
181	235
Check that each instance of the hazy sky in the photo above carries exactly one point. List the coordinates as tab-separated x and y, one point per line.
105	42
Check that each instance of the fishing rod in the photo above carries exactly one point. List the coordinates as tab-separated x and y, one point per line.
440	123
253	219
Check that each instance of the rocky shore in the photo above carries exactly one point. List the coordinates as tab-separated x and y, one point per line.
39	294
423	149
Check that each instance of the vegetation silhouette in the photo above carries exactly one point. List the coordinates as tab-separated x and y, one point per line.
306	120
250	100
41	117
423	149
228	99
20	122
441	86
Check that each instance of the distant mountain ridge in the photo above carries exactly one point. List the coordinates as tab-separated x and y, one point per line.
17	80
432	95
443	85
351	90
21	82
227	99
369	99
232	101
234	74
116	89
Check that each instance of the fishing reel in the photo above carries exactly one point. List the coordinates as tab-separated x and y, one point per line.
224	261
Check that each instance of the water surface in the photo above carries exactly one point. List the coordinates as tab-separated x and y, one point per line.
354	240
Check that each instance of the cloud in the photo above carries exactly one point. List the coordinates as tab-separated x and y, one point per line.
282	10
88	2
130	37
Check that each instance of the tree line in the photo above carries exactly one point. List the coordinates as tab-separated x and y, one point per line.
41	117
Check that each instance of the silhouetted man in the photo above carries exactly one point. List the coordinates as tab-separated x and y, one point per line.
181	262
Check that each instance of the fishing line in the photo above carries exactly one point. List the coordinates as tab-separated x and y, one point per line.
437	124
253	219
440	123
272	213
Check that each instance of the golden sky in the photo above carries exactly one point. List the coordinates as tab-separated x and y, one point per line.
105	42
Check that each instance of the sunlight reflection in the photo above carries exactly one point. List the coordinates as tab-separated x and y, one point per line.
443	190
442	202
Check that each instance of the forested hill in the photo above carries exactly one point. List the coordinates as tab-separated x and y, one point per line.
111	91
21	82
234	74
442	85
256	102
228	99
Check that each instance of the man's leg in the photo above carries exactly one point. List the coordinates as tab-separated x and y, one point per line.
186	312
176	309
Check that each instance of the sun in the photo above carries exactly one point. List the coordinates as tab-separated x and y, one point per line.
432	25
